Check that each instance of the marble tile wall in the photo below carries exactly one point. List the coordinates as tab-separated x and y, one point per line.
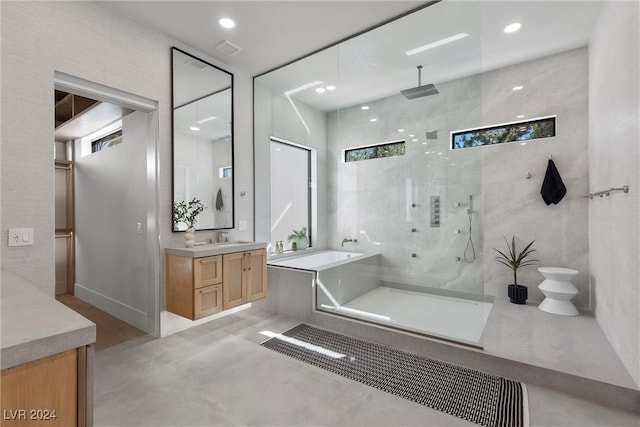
614	221
370	200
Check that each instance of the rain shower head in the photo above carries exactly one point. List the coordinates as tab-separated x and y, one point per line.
420	90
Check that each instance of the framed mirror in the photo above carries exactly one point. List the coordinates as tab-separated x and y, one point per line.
202	103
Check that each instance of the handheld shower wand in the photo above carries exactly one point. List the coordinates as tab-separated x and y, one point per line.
469	251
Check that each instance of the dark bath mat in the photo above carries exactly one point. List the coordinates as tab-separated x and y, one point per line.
481	398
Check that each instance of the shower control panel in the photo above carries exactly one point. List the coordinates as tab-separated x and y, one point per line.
435	211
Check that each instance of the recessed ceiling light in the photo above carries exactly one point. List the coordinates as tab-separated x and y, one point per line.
320	90
364	107
512	28
517	87
411	135
226	22
400	130
331	87
519	116
415	139
436	43
373	120
194	128
424	143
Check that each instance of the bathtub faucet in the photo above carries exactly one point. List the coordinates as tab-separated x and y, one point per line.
349	240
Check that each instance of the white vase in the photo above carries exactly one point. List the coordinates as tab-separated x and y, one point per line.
190	237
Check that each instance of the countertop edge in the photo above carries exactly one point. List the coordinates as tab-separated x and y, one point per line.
214	249
43	347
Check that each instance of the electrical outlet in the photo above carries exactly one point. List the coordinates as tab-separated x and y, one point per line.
20	237
242	225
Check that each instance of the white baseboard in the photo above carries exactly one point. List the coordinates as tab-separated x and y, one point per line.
118	309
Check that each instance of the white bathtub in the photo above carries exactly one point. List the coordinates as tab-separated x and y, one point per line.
318	260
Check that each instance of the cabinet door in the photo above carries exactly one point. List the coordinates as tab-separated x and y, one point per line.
207	271
256	274
234	289
207	301
48	386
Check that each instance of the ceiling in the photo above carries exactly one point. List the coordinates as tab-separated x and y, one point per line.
373	65
270	33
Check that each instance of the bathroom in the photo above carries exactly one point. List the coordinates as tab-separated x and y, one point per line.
504	181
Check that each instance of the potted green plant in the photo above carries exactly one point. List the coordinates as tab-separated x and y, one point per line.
513	259
298	239
187	213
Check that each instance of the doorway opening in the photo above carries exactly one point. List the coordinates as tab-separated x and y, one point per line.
107	240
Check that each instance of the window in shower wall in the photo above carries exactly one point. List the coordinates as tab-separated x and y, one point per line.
291	194
544	127
385	149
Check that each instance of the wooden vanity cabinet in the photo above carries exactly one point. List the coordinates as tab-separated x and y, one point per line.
194	285
199	287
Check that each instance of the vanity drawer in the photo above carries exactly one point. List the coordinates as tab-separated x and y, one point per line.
207	301
207	271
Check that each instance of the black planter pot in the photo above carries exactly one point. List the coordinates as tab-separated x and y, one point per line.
517	294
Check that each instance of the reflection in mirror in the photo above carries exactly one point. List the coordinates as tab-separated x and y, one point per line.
203	140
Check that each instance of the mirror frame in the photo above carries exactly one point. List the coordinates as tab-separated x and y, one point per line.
173	107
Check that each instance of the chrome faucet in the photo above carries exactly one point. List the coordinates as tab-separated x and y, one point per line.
348	240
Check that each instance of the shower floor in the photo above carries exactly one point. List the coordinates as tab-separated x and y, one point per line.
440	316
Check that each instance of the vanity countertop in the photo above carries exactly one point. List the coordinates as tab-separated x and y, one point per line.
211	249
35	325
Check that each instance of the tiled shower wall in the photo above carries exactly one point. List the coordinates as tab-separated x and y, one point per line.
371	200
614	221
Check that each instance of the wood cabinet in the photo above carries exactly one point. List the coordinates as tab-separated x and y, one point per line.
194	287
199	287
51	391
245	277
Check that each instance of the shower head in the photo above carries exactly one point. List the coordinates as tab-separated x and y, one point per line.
420	90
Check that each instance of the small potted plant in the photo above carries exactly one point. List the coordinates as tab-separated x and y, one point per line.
514	260
187	213
298	239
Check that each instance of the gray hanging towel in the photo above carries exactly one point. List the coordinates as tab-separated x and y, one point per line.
553	189
219	203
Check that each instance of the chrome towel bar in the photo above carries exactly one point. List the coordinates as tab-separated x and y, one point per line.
624	189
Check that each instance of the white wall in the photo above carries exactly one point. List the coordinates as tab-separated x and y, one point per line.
89	41
111	199
614	138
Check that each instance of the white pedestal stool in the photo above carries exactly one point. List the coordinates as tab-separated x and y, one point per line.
558	290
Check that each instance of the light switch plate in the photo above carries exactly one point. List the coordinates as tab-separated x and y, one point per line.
20	237
242	225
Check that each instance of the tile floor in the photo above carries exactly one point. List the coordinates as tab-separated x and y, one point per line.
574	345
217	374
